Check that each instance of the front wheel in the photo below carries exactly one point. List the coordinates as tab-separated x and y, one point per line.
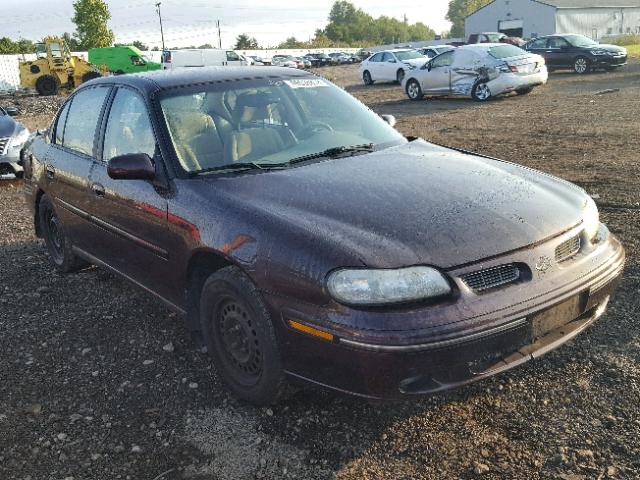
414	91
581	65
399	76
240	337
481	92
47	85
366	78
58	244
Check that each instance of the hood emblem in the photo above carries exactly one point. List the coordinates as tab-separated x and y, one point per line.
544	264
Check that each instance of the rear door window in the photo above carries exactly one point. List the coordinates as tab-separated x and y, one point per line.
505	51
82	119
539	43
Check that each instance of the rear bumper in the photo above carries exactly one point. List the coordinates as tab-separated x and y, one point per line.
358	365
510	82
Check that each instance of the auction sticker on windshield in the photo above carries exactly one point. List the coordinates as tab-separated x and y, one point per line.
306	83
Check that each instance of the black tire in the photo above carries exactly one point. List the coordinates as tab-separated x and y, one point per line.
240	337
414	90
47	85
399	75
581	65
366	78
481	92
524	91
90	76
58	244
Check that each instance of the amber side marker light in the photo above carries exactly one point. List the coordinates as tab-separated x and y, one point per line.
311	331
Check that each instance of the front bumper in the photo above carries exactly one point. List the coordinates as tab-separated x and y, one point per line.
364	364
603	61
12	158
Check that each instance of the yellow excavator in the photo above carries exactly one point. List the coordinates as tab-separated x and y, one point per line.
55	68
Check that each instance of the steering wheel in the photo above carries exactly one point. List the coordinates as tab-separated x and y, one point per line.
314	127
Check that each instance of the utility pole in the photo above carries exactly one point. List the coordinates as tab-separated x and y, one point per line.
219	34
160	17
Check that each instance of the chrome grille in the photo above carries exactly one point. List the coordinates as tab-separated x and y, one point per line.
3	145
492	277
567	249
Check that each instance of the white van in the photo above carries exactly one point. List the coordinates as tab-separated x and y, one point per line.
205	57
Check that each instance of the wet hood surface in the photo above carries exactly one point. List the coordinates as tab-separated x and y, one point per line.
413	204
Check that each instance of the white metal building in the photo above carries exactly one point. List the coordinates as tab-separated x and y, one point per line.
532	18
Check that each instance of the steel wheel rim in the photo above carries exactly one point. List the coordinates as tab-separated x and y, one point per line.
367	77
412	90
581	65
235	328
56	241
482	91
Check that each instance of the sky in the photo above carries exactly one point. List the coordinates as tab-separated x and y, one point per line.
192	22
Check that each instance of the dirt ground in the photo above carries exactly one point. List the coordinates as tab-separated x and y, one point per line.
99	381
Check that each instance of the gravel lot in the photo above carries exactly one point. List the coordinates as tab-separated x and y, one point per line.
100	381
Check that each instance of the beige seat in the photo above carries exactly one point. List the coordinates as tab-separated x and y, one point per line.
196	139
254	142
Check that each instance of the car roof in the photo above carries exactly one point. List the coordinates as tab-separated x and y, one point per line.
482	46
165	79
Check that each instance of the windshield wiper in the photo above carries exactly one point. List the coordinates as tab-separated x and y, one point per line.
333	152
241	166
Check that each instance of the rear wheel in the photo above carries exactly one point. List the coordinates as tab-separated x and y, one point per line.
240	337
481	92
90	76
414	91
524	91
47	85
581	65
58	244
366	78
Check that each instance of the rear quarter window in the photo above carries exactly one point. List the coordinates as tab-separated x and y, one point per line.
82	119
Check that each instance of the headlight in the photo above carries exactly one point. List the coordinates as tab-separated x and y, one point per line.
591	218
380	287
599	52
20	138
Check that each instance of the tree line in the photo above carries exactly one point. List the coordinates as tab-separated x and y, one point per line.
348	26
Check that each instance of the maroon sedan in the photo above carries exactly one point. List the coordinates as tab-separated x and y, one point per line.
305	239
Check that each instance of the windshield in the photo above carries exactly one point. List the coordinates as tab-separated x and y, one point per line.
409	55
268	121
506	51
580	41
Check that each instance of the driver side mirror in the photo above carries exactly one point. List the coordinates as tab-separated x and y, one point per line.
391	60
131	166
428	66
11	111
390	119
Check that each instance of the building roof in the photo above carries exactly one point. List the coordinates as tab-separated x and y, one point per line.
579	4
591	3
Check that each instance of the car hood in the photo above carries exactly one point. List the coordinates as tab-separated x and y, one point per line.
416	62
417	203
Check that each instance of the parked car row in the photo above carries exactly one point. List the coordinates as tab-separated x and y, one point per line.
486	70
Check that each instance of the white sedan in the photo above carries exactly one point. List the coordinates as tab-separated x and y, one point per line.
481	71
390	65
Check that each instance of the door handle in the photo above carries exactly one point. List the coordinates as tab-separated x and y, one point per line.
50	171
97	189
